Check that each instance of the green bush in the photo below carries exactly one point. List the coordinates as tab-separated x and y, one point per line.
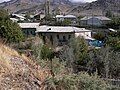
80	81
9	31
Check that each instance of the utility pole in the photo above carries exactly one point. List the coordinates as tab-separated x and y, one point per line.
47	10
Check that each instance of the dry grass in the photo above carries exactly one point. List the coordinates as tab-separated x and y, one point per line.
18	71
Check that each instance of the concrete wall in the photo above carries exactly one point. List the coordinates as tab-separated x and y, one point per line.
56	39
59	39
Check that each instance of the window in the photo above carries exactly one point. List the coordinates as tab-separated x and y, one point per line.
58	37
69	36
51	39
64	38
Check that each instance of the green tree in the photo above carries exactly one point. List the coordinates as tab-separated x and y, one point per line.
109	14
115	23
47	54
10	31
99	36
80	49
81	81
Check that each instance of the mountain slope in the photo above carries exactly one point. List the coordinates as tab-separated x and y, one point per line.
19	6
98	7
18	72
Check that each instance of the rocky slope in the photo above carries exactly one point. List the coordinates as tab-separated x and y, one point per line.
98	7
20	6
17	72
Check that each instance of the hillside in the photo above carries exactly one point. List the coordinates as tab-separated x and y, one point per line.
17	72
98	7
21	6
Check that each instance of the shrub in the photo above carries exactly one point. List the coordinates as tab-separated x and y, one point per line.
81	81
10	31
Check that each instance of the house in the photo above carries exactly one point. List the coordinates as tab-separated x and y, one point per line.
38	16
17	17
59	35
14	19
59	17
94	21
72	18
29	28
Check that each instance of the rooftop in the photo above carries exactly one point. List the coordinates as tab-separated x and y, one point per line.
98	17
66	16
28	25
20	16
58	29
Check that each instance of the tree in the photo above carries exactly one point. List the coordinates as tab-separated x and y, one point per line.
99	36
115	23
80	49
81	81
47	54
9	30
109	14
3	14
75	54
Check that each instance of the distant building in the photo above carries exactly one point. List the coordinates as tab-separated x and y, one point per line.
59	17
29	28
59	35
17	17
38	16
94	21
72	18
14	19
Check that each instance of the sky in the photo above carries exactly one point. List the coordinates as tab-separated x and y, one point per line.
71	0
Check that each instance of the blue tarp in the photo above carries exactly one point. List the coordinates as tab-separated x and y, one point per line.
96	43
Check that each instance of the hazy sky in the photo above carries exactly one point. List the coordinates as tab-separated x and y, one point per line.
71	0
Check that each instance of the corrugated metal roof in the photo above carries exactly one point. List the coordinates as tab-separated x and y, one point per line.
20	16
59	16
70	16
61	29
98	17
28	25
66	16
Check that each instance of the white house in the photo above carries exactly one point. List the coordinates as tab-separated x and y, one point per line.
14	19
59	17
59	35
66	17
18	16
94	20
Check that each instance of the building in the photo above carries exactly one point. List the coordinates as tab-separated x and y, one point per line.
29	28
94	21
59	35
59	17
72	18
38	16
14	20
17	17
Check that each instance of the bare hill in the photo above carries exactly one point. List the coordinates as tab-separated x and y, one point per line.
98	7
17	72
20	6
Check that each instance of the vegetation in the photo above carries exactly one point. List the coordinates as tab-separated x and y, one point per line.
115	23
63	23
10	31
109	14
82	81
75	66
